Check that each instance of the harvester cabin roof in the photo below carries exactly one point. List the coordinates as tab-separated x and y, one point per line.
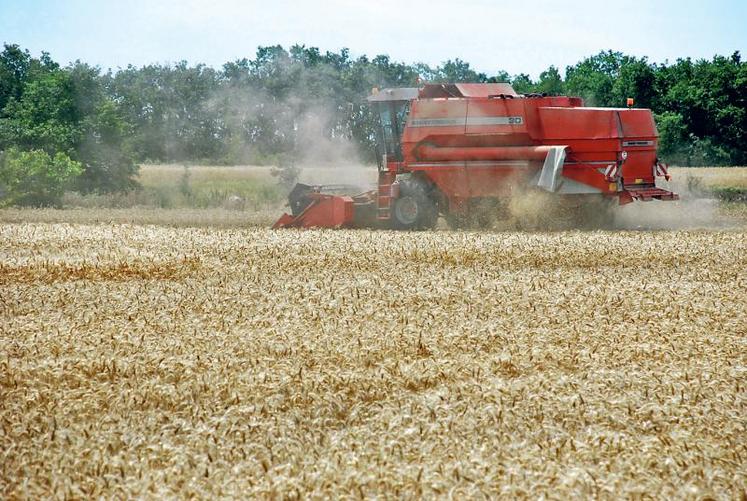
443	90
467	90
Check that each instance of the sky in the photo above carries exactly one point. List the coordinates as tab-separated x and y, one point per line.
515	36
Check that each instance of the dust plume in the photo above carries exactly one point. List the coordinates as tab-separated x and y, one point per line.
325	156
304	130
696	209
536	210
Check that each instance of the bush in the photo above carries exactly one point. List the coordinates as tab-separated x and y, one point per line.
34	177
676	146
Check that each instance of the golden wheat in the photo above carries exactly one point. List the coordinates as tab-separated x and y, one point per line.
141	361
213	218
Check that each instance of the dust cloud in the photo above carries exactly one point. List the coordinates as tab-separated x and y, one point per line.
308	126
535	210
325	158
694	210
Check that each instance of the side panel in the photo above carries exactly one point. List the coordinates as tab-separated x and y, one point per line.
478	178
432	118
498	116
561	124
488	179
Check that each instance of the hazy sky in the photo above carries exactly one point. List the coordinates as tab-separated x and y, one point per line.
511	35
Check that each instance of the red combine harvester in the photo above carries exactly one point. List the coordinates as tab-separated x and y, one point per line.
465	150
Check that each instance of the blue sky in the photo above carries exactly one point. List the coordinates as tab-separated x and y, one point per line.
491	35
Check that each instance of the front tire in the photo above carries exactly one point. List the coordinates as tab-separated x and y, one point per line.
414	209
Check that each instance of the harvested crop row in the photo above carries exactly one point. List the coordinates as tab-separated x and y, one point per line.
324	363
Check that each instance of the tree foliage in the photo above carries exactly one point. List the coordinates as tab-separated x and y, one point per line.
64	111
35	177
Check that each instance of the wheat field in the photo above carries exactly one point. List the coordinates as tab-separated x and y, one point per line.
146	361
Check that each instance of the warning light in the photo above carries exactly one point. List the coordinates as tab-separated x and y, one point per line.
630	102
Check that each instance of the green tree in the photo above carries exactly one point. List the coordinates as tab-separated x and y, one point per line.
501	77
522	83
105	155
35	177
14	68
594	78
550	82
459	71
102	146
710	97
45	117
672	134
635	79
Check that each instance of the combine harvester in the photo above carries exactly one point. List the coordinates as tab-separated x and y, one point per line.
464	151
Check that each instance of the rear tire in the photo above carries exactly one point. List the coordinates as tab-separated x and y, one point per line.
414	209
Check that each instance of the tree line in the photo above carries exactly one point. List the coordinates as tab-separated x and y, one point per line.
78	127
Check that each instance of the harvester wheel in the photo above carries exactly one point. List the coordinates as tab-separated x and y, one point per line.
414	209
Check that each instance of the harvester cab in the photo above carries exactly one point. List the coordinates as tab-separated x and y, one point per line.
463	151
392	107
